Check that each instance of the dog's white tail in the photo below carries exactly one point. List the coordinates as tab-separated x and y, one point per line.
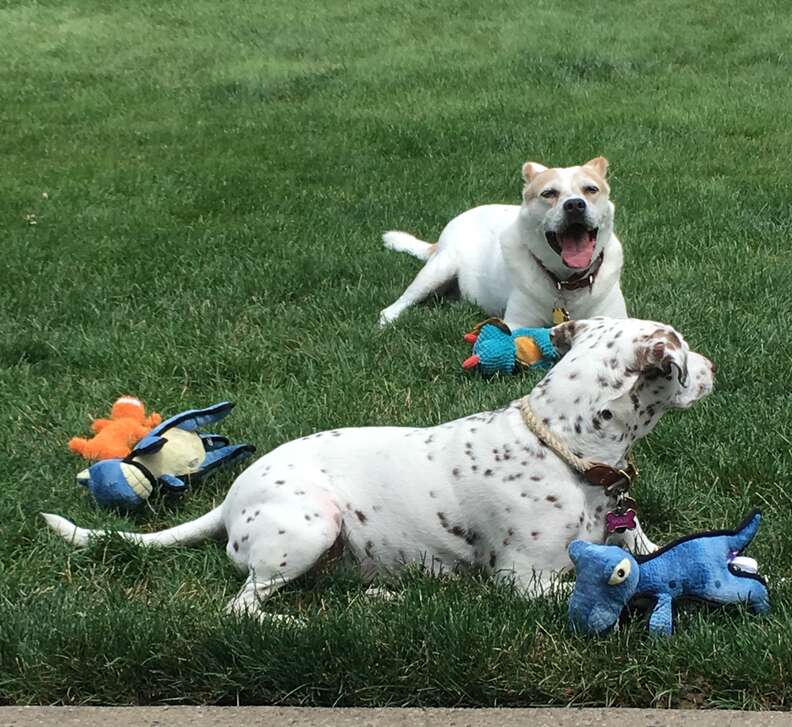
404	242
202	528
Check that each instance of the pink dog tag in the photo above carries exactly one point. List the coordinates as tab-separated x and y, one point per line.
618	522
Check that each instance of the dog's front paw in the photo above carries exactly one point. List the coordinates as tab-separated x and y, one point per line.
386	317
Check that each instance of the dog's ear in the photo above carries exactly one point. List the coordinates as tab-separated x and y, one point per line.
662	351
531	169
564	334
599	165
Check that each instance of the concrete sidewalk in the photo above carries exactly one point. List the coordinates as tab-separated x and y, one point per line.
303	717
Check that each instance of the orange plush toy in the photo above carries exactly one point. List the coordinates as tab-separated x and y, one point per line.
116	436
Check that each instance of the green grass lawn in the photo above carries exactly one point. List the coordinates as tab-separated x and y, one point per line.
191	200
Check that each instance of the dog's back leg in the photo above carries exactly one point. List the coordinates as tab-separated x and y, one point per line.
438	272
277	543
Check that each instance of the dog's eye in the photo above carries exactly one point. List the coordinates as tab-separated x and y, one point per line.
620	573
590	189
606	414
550	193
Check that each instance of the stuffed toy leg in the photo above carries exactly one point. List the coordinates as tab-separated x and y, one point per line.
171	456
707	566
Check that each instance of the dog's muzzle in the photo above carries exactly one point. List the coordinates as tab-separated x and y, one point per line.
574	241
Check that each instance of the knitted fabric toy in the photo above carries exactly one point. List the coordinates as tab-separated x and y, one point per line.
705	566
170	457
115	436
499	350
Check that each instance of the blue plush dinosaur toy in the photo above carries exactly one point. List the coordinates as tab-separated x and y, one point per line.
499	350
706	566
169	456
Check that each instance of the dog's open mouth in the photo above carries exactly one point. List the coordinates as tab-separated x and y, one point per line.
575	244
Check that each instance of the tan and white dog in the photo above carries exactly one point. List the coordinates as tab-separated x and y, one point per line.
482	491
519	262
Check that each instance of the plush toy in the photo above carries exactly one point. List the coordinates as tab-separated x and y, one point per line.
499	350
706	566
116	436
169	457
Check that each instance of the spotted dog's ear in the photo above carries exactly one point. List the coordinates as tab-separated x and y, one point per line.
531	169
662	351
564	334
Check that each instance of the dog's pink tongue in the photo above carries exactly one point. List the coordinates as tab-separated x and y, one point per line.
577	249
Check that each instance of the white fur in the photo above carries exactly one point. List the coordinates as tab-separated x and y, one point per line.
479	491
488	250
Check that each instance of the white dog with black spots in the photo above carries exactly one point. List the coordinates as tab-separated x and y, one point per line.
479	492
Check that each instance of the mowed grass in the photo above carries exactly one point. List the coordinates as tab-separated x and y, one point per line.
191	200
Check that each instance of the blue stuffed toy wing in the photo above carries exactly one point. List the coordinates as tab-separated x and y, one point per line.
194	419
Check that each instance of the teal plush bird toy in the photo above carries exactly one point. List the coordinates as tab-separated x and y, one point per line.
168	458
499	350
706	566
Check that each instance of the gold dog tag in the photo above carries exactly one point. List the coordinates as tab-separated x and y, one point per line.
560	315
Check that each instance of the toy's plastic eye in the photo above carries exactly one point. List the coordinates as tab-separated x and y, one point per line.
620	573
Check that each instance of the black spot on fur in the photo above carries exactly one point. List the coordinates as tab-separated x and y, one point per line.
360	516
455	472
492	559
551	498
235	545
245	538
488	473
281	532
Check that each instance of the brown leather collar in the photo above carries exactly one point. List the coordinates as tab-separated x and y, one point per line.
578	280
614	481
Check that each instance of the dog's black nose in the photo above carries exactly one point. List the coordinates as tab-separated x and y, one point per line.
575	206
